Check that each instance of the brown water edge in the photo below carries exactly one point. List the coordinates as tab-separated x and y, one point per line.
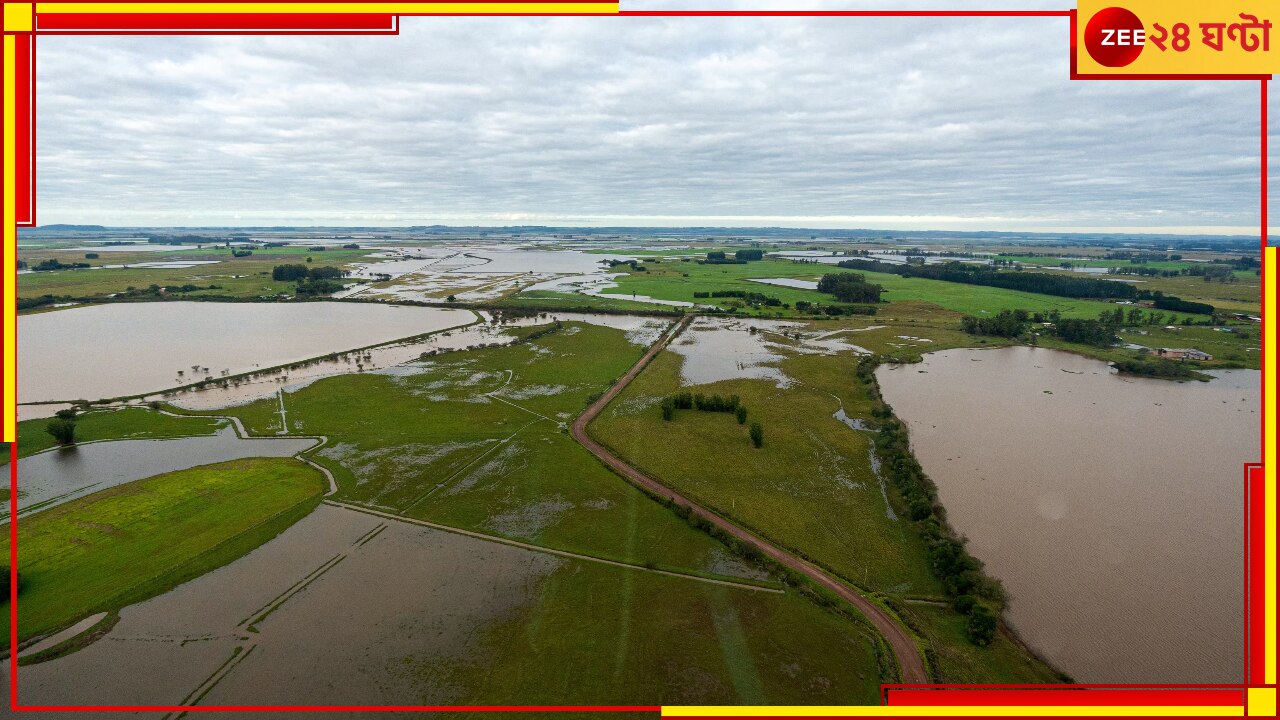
342	607
1111	507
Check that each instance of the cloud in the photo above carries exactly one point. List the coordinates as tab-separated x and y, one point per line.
921	122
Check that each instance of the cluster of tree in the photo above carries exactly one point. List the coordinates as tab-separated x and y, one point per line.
749	255
351	246
752	298
969	274
290	273
1157	368
757	434
241	253
705	403
318	248
22	265
717	257
1138	256
51	264
633	264
179	239
1243	262
274	245
1088	332
850	287
1177	304
1006	323
27	303
805	306
63	426
91	256
317	287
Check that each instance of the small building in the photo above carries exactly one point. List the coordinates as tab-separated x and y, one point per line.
1181	354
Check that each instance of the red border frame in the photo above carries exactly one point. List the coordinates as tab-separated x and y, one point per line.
929	694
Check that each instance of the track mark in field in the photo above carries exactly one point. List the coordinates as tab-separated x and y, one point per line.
237	656
261	614
551	551
460	470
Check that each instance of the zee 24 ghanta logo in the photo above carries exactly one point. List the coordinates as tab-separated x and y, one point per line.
1115	37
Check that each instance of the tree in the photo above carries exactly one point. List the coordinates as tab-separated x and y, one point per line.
62	430
66	413
741	412
982	626
451	298
4	583
757	434
668	409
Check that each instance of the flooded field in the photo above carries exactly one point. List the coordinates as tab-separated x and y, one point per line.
125	349
1110	506
246	633
716	349
62	474
393	358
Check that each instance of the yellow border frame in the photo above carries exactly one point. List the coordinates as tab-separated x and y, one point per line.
17	18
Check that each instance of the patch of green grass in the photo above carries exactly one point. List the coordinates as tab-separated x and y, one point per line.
956	660
131	542
600	635
115	425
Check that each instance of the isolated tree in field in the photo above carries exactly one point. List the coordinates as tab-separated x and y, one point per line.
66	413
451	298
741	412
668	409
62	430
757	434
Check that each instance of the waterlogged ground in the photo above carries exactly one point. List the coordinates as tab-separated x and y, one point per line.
350	607
57	476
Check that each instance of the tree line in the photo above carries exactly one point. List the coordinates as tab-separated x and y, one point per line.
712	403
961	573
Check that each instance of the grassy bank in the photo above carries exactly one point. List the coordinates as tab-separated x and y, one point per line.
123	424
135	541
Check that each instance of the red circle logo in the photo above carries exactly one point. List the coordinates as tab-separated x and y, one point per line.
1114	37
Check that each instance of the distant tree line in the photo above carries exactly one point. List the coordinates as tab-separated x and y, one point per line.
805	306
51	264
970	274
753	298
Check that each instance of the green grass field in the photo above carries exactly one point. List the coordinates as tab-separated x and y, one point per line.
600	635
237	277
115	425
135	541
667	281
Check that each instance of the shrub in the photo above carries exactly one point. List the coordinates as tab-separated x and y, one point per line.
63	430
982	626
741	413
757	434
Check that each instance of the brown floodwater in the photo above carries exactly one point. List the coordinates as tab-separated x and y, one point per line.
1110	506
107	351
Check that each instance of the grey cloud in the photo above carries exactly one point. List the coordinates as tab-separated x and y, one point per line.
966	123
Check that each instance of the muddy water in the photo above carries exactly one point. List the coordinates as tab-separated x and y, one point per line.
1111	507
125	349
351	611
393	358
54	477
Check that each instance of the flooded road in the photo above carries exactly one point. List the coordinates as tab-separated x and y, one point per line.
1111	507
125	349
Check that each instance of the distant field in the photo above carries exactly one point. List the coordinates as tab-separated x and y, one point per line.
114	425
666	281
135	541
238	277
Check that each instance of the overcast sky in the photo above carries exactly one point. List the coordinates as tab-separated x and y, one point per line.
913	123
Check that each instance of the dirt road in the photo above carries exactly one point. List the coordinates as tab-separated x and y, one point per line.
904	648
